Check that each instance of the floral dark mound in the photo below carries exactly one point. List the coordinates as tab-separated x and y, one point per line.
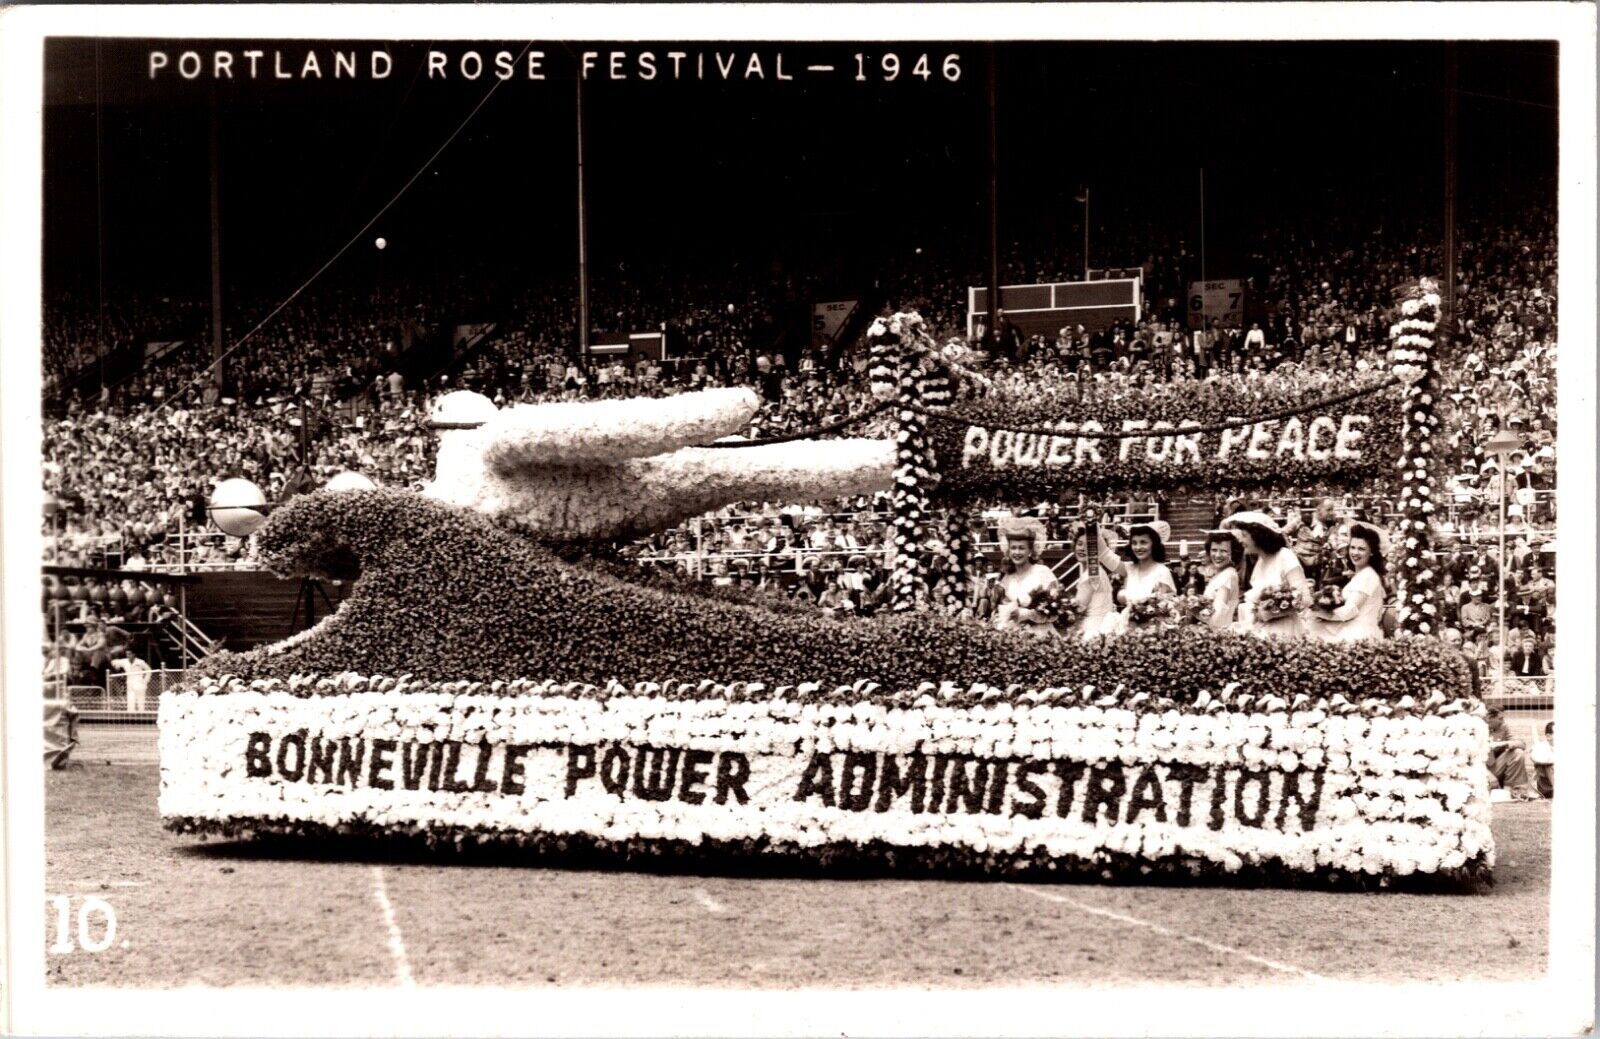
760	857
445	595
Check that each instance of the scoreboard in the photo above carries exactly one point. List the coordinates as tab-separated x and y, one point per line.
1044	309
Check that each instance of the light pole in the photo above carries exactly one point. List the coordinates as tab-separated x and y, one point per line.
1083	196
1501	445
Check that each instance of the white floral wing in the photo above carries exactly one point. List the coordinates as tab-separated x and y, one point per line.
528	436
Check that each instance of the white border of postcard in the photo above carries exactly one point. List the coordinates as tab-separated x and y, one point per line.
1561	1004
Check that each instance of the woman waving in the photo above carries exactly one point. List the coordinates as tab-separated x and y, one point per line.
1093	592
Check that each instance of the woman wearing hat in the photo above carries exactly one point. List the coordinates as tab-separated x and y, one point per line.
1361	616
1145	574
1224	557
1022	578
1093	594
1275	565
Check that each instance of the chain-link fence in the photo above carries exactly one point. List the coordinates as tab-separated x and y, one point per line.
1521	692
128	697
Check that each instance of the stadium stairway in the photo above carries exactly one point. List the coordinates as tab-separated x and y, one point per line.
1190	518
242	609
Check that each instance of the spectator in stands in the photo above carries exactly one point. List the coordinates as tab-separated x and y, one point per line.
834	600
1527	661
1475	614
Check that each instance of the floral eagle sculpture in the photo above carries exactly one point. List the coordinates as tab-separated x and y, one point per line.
616	469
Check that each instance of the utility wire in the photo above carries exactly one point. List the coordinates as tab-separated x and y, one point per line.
205	373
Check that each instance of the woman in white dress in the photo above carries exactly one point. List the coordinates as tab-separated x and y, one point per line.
1361	616
1093	594
1144	574
1224	556
1022	541
1276	565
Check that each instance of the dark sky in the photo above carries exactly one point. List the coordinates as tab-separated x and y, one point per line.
752	171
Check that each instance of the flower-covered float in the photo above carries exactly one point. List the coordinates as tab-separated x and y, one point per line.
481	685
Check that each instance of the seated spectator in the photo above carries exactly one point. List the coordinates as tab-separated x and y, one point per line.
1527	661
1475	614
835	601
1543	757
1508	759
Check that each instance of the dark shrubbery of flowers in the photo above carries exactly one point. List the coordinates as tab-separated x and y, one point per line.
445	595
761	856
1181	404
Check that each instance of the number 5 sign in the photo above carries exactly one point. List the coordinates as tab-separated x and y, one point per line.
1222	300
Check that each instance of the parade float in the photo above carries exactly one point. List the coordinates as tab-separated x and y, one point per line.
493	679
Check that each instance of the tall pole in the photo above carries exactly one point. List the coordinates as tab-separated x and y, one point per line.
1085	234
1450	100
216	255
992	166
583	240
1202	223
99	222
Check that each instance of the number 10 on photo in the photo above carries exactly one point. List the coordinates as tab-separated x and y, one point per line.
96	929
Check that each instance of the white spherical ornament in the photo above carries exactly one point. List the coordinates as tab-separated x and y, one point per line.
461	409
382	244
350	481
238	507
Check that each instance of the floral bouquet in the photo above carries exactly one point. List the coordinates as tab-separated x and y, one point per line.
1275	602
1067	611
1194	609
1048	603
1154	610
1327	598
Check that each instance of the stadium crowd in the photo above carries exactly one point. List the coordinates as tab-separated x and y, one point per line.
317	390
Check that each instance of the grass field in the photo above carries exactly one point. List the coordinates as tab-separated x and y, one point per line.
242	913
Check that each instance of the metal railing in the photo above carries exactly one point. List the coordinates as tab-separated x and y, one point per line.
192	642
131	697
1522	692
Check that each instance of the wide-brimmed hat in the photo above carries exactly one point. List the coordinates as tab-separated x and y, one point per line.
1023	528
1161	530
1255	519
1377	531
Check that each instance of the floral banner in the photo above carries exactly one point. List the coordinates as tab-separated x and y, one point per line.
1300	792
1171	441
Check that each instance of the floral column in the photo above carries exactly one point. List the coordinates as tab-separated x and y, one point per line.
1412	358
901	366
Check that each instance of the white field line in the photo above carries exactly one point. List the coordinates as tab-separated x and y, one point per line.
107	883
397	944
711	905
1083	907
